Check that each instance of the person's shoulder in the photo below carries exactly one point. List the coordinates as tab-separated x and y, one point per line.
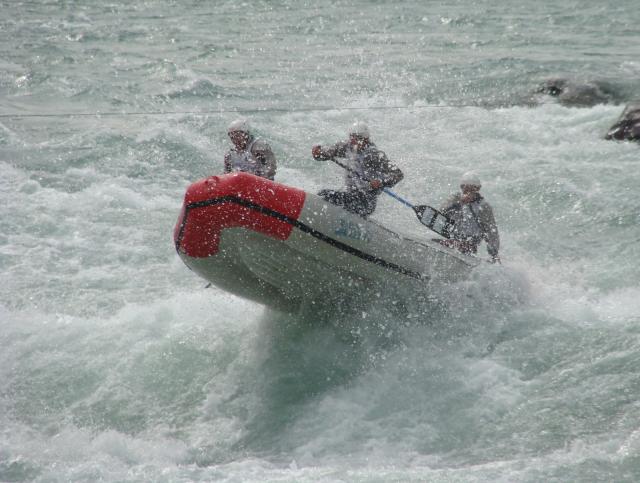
485	206
260	144
373	150
373	147
453	199
339	148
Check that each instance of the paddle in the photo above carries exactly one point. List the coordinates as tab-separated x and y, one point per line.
428	216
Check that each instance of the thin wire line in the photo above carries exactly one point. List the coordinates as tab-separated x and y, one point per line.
225	111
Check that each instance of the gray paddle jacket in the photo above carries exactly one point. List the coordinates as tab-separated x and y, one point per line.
473	221
368	164
256	159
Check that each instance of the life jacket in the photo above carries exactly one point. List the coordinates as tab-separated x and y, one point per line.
355	161
245	161
467	223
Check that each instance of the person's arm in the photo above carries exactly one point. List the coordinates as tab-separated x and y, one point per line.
391	174
490	230
263	153
320	153
450	205
380	171
227	163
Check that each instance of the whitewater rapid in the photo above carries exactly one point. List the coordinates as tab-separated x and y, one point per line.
118	364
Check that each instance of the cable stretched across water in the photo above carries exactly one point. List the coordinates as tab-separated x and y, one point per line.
99	114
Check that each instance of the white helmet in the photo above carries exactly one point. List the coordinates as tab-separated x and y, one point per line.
359	128
241	125
470	179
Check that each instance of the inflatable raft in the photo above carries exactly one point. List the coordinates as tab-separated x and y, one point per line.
281	246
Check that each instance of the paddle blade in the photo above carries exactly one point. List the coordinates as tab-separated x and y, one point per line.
434	220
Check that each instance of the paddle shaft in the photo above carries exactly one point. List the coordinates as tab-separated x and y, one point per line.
419	210
386	190
435	219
